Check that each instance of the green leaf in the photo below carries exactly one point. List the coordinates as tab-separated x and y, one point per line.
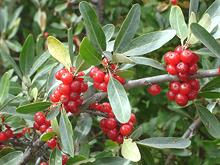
137	133
55	126
146	156
210	121
70	42
148	42
127	74
128	28
119	101
12	158
6	150
120	58
56	157
93	27
66	134
39	62
89	53
214	9
207	39
130	151
109	30
26	58
210	95
193	7
148	62
59	51
178	23
33	107
211	85
112	161
4	87
165	142
47	136
54	111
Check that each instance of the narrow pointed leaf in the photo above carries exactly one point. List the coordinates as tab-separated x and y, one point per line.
165	142
89	53
59	51
210	121
4	87
109	30
56	157
26	58
206	38
112	161
66	135
148	42
211	85
120	58
128	28
93	27
33	107
12	158
178	23
214	9
119	101
47	136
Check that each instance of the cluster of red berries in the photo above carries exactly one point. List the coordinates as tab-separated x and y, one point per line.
110	126
43	125
64	160
101	78
70	90
183	63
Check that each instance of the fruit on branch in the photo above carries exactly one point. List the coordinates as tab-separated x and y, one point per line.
43	163
101	77
70	91
110	126
52	143
183	63
173	2
154	89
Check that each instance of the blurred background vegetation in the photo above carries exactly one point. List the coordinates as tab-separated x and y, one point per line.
155	115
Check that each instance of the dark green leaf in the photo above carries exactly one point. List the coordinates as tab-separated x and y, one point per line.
66	134
13	158
112	161
26	58
210	121
178	23
56	157
207	39
70	43
39	62
89	53
47	136
127	74
6	150
109	30
33	107
75	159
148	62
165	142
211	85
128	28
4	87
148	42
210	95
146	156
119	101
93	27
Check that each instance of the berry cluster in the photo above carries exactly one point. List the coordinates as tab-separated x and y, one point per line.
70	90
183	63
110	126
154	89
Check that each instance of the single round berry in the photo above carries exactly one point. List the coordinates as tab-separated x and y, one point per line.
53	98
175	86
52	143
195	58
133	118
58	75
195	84
39	119
178	49
102	123
120	79
84	87
193	69
185	88
66	78
64	98
36	126
154	89
64	89
112	134
111	123
181	99
99	76
183	76
49	130
93	71
71	105
181	67
3	136
186	56
74	96
171	96
9	133
43	128
75	86
43	163
125	129
172	58
173	2
171	69
103	87
192	95
119	139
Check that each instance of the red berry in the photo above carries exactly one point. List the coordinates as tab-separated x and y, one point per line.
133	118
39	118
47	123
64	89
102	123
182	67
154	89
99	76
195	58
64	98
79	101
173	2
9	133
76	86
106	78
171	69
113	66
84	87
120	79
192	95
53	98
172	58
125	129
43	163
49	130
93	71
178	49
3	136
36	126
175	86
185	88
64	159
71	105
119	139
186	56
106	107
46	34
58	75
52	143
193	69
111	123
171	95
112	134
195	84
183	76
57	94
43	128
74	96
96	85
66	78
181	99
103	87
